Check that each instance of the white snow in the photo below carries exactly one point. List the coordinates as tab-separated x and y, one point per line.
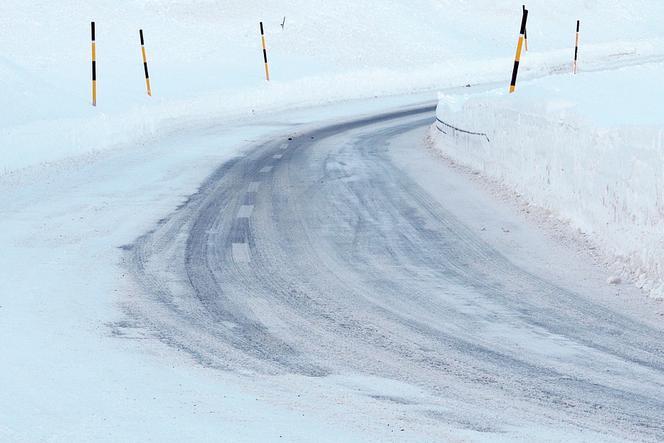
586	147
614	280
66	375
77	182
206	65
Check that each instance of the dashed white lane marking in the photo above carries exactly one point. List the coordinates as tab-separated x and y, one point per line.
241	253
245	211
277	156
284	146
266	169
253	186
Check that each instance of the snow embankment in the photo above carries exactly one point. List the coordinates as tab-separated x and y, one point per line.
587	148
206	65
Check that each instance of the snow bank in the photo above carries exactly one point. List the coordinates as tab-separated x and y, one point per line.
557	144
206	62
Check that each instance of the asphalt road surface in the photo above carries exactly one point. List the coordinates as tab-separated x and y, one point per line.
320	255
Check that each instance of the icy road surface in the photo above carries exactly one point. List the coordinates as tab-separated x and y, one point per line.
330	255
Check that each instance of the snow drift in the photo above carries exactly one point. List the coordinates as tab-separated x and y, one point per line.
557	143
206	63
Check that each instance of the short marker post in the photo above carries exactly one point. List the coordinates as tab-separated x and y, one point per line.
94	65
525	33
267	68
517	58
145	63
576	47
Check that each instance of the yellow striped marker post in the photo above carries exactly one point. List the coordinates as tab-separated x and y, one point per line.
525	34
576	47
522	32
145	63
94	65
267	68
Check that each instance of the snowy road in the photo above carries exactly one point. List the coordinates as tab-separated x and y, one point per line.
327	255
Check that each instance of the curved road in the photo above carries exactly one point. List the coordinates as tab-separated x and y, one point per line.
320	256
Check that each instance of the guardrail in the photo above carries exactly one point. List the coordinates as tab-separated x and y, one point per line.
454	128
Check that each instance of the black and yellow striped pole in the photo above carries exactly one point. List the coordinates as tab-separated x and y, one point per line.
267	69
525	34
94	66
522	32
145	63
576	46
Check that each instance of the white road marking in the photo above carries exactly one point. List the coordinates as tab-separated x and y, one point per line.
241	253
277	156
245	211
266	169
284	146
253	186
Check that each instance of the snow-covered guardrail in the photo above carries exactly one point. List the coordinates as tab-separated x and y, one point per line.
455	129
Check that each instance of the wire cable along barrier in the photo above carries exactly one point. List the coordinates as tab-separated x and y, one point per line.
463	131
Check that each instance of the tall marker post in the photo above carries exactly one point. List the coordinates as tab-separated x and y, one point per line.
267	69
522	32
145	63
576	47
94	65
525	33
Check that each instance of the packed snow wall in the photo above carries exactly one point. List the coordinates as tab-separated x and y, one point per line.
607	182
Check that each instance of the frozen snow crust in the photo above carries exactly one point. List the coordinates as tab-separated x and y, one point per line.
557	143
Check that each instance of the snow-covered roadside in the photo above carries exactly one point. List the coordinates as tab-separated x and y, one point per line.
63	377
559	144
48	141
206	66
66	377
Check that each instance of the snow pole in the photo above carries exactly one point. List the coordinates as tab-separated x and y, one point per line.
94	66
576	47
522	32
267	69
525	33
145	63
